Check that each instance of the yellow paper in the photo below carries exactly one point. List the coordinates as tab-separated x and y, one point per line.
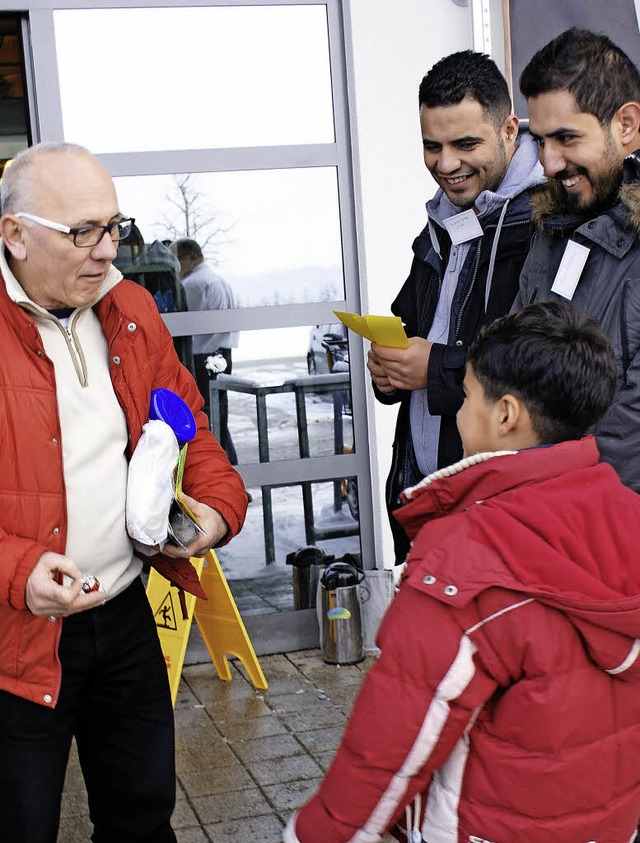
384	330
178	487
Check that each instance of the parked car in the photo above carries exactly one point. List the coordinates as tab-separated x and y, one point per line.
327	346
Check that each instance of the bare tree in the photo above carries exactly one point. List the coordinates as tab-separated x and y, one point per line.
194	218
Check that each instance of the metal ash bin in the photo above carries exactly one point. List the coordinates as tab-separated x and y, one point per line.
342	641
306	565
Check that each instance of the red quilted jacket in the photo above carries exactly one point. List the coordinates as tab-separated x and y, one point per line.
505	706
32	491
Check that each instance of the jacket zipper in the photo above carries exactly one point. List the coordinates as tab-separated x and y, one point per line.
59	664
469	289
75	349
475	272
624	334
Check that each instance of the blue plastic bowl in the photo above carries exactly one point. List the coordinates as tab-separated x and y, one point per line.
168	407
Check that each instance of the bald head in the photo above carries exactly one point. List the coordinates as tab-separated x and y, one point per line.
16	188
47	188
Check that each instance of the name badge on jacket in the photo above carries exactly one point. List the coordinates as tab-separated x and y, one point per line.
570	269
463	227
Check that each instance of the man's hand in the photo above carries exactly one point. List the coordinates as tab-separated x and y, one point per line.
212	523
46	597
378	374
403	368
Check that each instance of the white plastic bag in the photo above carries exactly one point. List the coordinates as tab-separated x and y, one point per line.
150	484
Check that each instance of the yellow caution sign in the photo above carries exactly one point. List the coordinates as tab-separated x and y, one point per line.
222	628
165	617
172	628
218	619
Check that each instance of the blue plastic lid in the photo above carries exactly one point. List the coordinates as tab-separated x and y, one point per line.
168	407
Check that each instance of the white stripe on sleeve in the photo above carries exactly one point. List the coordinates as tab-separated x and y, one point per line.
450	688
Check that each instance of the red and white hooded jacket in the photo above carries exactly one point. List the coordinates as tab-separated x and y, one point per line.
505	705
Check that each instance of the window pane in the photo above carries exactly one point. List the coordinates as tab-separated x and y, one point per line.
265	406
14	127
259	588
273	235
195	78
276	409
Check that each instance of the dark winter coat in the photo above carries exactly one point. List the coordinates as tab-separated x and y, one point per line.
609	290
416	305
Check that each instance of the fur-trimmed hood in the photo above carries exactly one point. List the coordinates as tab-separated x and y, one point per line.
551	212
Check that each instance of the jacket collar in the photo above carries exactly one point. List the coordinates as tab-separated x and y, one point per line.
551	213
485	476
436	240
528	543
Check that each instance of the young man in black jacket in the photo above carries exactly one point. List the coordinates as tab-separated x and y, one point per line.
466	260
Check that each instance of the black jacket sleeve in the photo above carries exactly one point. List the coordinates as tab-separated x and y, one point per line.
444	379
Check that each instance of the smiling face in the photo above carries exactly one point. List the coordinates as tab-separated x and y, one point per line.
75	190
463	151
585	157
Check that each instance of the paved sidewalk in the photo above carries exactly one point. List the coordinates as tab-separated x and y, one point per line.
245	758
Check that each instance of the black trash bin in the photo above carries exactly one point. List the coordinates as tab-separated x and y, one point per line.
342	641
306	565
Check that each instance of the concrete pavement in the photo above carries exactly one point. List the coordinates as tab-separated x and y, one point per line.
245	759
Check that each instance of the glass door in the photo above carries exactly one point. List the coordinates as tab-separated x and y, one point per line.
227	124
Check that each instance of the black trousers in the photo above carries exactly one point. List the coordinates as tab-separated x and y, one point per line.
115	699
202	380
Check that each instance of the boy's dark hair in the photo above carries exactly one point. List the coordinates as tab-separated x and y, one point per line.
594	70
467	74
557	361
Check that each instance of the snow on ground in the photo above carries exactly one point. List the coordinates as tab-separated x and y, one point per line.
272	344
245	556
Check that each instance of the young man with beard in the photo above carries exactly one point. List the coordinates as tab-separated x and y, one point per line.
466	260
583	94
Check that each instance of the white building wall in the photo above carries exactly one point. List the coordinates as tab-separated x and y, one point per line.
390	45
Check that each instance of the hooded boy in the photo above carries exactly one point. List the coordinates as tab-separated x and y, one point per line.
505	705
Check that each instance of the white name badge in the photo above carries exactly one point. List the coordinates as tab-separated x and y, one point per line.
570	269
463	227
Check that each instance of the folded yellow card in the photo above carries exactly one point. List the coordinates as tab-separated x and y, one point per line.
384	330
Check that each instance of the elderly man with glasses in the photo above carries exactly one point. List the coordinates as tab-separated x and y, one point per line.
82	349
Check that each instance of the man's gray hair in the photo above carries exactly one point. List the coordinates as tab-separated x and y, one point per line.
15	188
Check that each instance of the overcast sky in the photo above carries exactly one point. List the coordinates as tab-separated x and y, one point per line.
197	78
277	219
194	78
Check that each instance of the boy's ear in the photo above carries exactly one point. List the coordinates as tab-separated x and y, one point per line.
511	414
514	426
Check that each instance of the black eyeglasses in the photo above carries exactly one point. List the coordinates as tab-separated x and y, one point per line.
86	236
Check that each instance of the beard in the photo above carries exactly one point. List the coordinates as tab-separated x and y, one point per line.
604	185
494	173
499	167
